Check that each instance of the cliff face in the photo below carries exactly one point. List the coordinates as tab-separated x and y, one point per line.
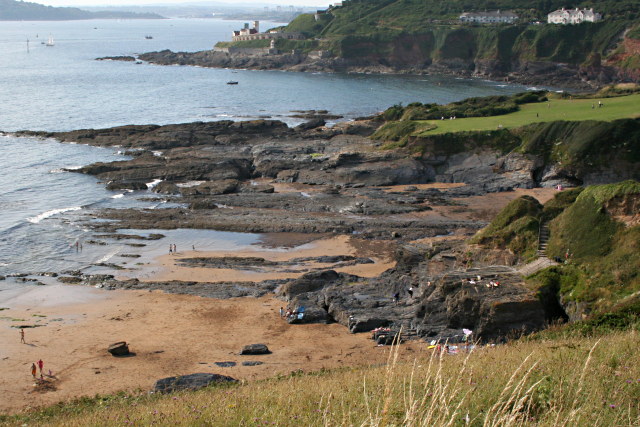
532	53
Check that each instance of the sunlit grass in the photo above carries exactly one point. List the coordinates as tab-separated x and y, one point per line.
556	109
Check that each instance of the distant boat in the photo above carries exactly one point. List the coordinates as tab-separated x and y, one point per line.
50	41
232	83
148	37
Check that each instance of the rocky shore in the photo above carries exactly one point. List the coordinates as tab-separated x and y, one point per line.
535	73
264	177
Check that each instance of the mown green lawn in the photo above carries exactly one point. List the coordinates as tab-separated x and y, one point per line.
556	109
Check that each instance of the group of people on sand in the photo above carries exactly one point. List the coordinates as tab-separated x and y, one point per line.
478	281
39	365
34	370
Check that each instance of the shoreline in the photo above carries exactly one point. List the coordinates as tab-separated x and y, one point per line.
302	63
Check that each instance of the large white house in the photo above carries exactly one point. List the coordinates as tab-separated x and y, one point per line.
573	16
493	17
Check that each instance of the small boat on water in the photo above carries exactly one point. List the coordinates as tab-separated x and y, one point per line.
50	41
232	82
148	37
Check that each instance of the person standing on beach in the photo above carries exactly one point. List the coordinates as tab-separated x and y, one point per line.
40	365
22	336
170	248
33	370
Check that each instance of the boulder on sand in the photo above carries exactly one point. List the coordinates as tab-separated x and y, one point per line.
189	382
119	349
255	349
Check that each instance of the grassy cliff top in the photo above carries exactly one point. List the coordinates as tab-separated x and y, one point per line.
552	110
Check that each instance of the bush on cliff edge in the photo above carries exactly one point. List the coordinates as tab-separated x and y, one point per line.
515	228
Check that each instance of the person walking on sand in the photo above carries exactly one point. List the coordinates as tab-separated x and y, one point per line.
40	365
170	249
33	370
22	336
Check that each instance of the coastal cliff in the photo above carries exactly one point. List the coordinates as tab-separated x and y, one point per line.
403	37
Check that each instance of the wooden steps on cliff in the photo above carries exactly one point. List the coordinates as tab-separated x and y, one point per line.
543	238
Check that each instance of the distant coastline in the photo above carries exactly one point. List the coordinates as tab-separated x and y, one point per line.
11	10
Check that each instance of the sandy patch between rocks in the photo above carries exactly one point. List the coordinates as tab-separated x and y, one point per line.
166	269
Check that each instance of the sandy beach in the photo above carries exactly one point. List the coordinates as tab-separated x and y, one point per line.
169	334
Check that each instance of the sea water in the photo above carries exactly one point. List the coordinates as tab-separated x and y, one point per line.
62	87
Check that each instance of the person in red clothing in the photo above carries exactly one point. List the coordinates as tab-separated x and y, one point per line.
40	365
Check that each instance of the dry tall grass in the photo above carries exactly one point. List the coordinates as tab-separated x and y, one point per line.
566	382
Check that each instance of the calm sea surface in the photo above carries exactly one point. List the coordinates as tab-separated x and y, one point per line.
63	87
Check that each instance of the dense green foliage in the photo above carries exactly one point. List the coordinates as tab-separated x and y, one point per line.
514	228
471	107
11	10
369	16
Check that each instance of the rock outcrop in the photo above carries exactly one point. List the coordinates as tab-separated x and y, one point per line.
190	382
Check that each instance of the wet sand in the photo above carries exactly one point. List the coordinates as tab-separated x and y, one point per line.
166	268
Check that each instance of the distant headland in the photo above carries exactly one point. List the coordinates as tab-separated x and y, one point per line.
11	10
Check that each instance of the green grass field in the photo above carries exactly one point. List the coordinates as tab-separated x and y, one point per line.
556	109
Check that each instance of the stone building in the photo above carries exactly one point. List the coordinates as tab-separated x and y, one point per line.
493	17
573	16
254	33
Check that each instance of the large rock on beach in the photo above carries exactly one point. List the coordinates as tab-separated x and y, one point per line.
190	382
119	349
253	349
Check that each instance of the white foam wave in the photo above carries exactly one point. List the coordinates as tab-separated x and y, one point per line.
153	183
72	168
189	184
48	214
305	194
108	256
117	196
157	153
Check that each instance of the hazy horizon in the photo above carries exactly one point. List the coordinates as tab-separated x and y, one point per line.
101	3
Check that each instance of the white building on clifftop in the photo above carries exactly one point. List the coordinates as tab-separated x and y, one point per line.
573	16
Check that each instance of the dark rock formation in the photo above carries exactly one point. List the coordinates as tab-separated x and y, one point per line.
252	363
190	382
116	58
255	349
